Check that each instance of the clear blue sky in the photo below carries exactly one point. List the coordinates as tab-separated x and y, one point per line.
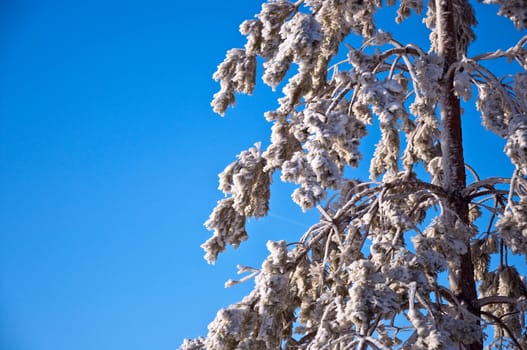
108	160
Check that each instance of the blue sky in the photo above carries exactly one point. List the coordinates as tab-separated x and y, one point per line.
109	153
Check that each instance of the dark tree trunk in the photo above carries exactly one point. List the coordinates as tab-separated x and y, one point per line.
461	277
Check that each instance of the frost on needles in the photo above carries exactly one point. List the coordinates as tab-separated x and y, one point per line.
368	274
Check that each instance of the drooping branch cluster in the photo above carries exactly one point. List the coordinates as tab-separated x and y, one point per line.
247	183
368	274
355	278
503	286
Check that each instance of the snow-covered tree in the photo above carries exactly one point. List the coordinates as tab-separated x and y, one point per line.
415	257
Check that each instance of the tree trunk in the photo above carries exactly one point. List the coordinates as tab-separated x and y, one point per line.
461	275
